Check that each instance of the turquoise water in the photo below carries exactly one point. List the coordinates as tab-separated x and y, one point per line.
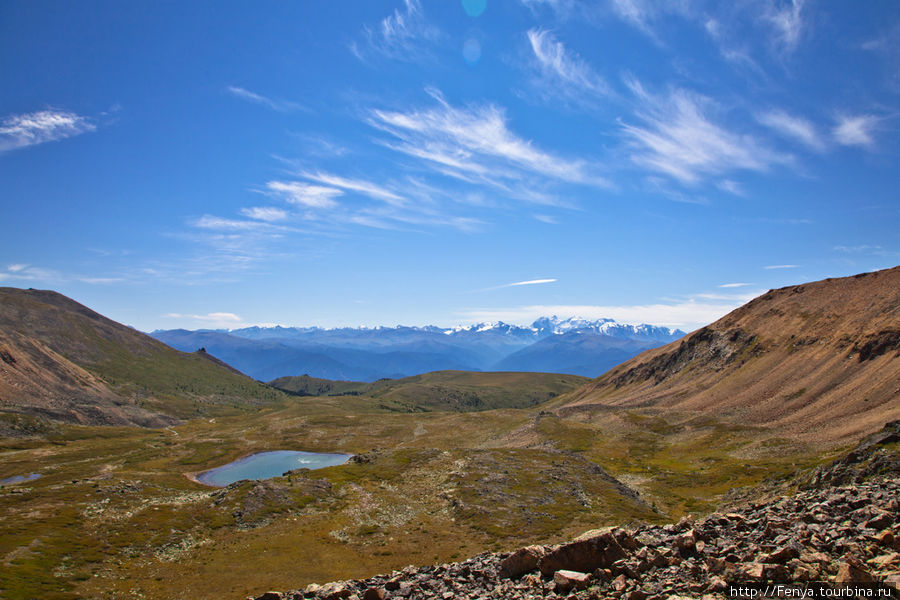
19	479
265	465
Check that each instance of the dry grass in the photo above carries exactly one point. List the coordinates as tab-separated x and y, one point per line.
113	514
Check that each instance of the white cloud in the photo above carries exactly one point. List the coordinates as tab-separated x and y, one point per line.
400	35
26	272
771	267
635	12
101	280
864	248
279	105
547	219
855	130
562	73
529	282
730	186
373	190
218	320
265	213
477	141
796	128
678	138
733	285
644	14
214	222
515	284
688	315
304	194
19	131
786	20
562	8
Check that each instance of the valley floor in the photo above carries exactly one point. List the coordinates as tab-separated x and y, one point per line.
114	515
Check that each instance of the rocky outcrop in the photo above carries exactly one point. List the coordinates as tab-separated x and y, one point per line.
836	534
872	456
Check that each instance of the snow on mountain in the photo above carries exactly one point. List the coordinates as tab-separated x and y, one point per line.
540	328
572	345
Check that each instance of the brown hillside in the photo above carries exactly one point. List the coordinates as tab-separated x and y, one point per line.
63	361
819	360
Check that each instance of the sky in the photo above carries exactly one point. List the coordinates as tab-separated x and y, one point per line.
218	164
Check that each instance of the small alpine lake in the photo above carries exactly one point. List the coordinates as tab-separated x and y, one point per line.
19	479
265	465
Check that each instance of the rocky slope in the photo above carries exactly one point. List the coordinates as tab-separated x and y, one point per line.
61	361
820	361
831	532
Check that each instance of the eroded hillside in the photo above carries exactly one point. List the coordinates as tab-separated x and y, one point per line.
819	360
60	361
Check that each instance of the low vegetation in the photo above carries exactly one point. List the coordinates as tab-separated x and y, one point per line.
460	391
114	516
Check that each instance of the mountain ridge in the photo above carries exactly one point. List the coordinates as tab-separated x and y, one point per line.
63	361
819	358
368	354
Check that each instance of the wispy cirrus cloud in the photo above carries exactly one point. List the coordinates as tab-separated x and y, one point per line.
636	12
26	272
775	267
555	5
856	130
518	284
778	24
561	73
30	129
866	249
269	214
793	127
679	138
305	194
733	285
860	248
786	21
218	320
367	188
476	142
731	186
222	223
274	104
401	35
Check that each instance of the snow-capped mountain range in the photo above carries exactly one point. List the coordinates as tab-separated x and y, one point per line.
574	345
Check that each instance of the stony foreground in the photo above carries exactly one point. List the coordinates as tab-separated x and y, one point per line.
843	528
842	534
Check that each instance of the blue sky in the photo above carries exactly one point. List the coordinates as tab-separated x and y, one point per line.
219	164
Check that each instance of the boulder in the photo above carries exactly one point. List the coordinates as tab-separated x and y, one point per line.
333	591
851	571
597	549
780	555
523	560
374	593
570	580
880	521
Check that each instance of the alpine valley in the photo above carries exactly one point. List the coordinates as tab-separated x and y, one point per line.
760	448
